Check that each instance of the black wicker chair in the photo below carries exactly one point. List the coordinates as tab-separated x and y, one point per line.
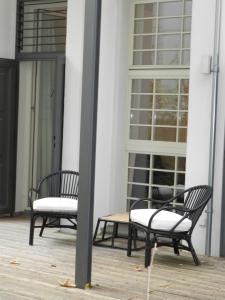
55	198
170	224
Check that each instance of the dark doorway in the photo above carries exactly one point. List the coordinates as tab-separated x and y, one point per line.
8	125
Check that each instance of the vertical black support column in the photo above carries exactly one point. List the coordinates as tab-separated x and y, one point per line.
88	142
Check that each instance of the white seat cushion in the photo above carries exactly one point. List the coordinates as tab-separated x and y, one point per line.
56	204
164	220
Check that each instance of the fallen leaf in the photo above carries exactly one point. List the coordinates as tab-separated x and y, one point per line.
67	283
138	269
88	286
53	266
14	262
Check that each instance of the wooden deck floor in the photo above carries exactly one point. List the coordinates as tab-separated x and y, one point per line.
35	272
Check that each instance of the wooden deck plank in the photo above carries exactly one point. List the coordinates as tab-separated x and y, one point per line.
52	259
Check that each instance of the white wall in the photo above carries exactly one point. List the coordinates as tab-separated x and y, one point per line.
73	84
7	28
110	150
219	152
113	76
202	42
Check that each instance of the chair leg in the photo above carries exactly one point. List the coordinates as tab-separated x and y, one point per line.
175	247
148	250
96	231
43	225
129	240
32	222
193	253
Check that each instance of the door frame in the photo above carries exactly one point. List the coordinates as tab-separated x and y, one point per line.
59	59
13	137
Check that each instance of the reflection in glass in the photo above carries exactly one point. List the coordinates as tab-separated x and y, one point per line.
142	86
187	24
137	191
181	163
141	101
165	118
168	57
184	86
183	102
182	135
141	176
167	41
166	102
180	179
165	134
171	8
164	162
163	178
186	57
143	204
140	133
166	86
188	7
170	25
145	10
186	40
144	57
145	26
144	42
139	160
140	117
183	119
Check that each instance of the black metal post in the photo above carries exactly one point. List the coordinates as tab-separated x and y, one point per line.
88	142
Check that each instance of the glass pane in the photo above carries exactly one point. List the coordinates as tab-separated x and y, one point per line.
186	40
181	163
145	26
168	57
167	41
165	134
142	204
139	160
144	58
171	8
163	178
137	191
183	102
170	25
166	102
140	117
187	24
166	86
184	86
183	119
141	101
144	42
186	57
180	179
164	162
142	86
145	10
165	118
180	199
161	193
140	133
182	135
188	7
141	176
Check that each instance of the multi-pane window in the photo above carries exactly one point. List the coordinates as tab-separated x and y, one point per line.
161	33
157	126
154	175
158	110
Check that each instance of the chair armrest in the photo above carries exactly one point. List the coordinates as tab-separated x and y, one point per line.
30	192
